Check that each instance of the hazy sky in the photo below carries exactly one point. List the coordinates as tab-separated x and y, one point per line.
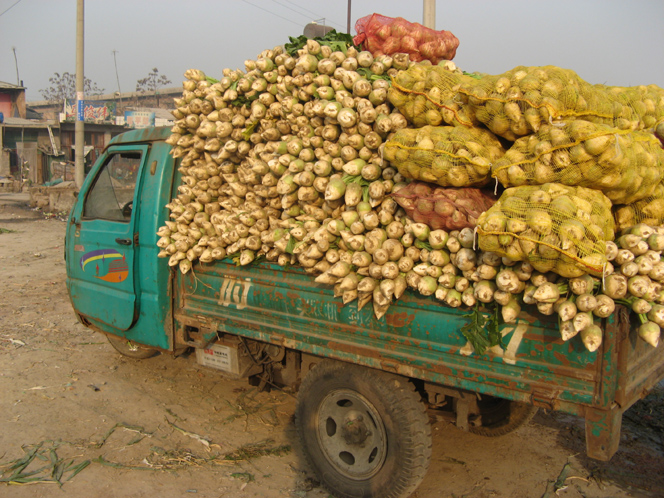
616	42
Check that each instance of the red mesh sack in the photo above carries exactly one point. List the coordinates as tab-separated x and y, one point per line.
388	35
443	208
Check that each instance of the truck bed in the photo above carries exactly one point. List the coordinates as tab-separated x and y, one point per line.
420	337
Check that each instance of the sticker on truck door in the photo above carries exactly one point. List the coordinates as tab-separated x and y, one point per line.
105	264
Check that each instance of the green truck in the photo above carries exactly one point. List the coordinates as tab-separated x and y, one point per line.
365	386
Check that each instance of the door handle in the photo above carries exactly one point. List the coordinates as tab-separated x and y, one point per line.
124	242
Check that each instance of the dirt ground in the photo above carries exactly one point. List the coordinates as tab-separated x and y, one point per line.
73	409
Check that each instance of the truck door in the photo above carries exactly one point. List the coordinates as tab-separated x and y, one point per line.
102	239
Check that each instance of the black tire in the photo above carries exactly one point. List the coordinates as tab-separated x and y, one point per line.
501	416
131	349
365	433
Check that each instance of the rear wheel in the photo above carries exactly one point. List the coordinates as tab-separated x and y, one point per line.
501	416
364	432
131	349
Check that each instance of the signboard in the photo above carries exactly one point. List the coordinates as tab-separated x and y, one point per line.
90	111
139	119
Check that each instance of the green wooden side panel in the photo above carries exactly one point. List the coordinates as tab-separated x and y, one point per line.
418	336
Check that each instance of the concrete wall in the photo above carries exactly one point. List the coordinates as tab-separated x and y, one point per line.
124	101
10	186
57	199
12	103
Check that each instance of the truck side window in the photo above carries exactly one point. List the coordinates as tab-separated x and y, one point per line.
112	194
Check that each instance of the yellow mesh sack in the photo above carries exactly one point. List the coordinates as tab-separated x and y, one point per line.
554	227
637	107
517	102
649	210
449	156
625	165
428	95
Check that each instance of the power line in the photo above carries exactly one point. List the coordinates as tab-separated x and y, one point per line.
8	8
292	10
305	9
272	13
316	16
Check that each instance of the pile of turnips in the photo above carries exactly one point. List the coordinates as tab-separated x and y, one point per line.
286	161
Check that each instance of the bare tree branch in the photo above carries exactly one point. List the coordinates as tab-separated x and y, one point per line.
152	83
63	86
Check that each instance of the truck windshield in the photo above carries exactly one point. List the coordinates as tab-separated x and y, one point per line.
112	194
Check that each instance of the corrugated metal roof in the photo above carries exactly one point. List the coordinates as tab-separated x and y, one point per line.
163	93
158	112
27	123
9	86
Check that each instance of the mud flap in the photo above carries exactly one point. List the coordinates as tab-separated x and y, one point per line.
603	432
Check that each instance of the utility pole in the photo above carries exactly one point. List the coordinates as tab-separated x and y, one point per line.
117	78
429	17
18	80
348	19
79	129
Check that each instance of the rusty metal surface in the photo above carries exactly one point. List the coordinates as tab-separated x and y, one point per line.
640	365
418	337
603	431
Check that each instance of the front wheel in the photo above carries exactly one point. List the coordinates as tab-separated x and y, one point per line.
131	349
364	432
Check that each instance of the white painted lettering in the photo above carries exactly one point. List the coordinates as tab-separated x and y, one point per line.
245	294
234	292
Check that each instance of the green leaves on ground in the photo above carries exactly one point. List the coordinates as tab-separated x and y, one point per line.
53	470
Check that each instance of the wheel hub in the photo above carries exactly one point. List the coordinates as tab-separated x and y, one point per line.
354	431
351	434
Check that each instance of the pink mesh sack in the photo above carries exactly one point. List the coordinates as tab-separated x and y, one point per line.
388	35
443	208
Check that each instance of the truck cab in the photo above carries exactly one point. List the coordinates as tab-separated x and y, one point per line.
115	280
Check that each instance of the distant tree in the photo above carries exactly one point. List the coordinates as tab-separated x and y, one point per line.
63	86
152	83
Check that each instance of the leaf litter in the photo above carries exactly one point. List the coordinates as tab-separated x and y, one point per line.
54	469
41	463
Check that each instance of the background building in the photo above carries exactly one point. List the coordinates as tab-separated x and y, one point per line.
37	138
